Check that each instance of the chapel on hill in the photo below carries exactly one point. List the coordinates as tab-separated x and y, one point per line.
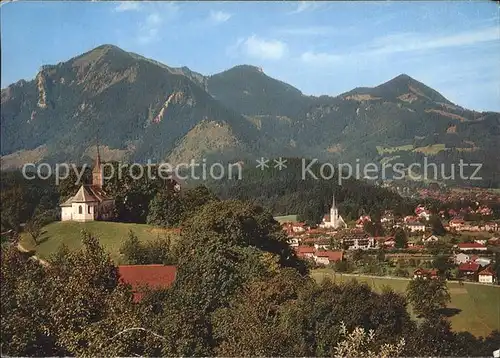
90	201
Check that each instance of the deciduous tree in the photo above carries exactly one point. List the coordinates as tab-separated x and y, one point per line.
428	295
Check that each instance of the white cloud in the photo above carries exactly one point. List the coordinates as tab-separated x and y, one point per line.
265	49
218	17
128	6
153	19
307	31
149	28
305	6
388	45
320	58
410	42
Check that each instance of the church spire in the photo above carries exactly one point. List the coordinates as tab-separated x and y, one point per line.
98	157
97	177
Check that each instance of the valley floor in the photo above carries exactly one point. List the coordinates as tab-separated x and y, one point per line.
474	307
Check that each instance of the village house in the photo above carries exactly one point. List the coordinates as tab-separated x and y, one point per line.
415	226
305	251
481	241
461	258
141	277
327	257
287	228
322	244
456	224
410	218
299	227
471	246
355	240
293	241
484	211
431	238
469	270
414	241
487	275
363	219
491	227
384	242
90	201
422	213
416	248
494	241
387	217
425	274
471	227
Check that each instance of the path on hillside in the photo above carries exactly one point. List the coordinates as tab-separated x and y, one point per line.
23	249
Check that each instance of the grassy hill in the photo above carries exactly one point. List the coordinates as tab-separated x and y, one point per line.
110	234
479	305
286	218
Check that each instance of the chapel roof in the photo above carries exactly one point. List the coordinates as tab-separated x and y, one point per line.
88	194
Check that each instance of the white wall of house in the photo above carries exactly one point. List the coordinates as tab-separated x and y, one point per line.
321	260
485	278
416	228
473	248
293	242
66	213
298	229
83	211
461	258
321	246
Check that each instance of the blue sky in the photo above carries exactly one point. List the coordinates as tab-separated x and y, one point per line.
319	47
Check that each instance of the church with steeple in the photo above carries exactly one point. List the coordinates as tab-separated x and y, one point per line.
333	220
90	201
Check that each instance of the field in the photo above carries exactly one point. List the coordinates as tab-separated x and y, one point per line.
388	150
431	149
286	218
110	234
478	305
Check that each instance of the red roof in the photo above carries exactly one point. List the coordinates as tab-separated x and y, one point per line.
469	266
384	239
301	250
494	240
488	271
470	245
331	255
152	276
315	231
421	271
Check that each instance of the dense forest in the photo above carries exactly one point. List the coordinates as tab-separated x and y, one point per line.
286	192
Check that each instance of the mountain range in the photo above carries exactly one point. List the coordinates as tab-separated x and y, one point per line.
139	109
